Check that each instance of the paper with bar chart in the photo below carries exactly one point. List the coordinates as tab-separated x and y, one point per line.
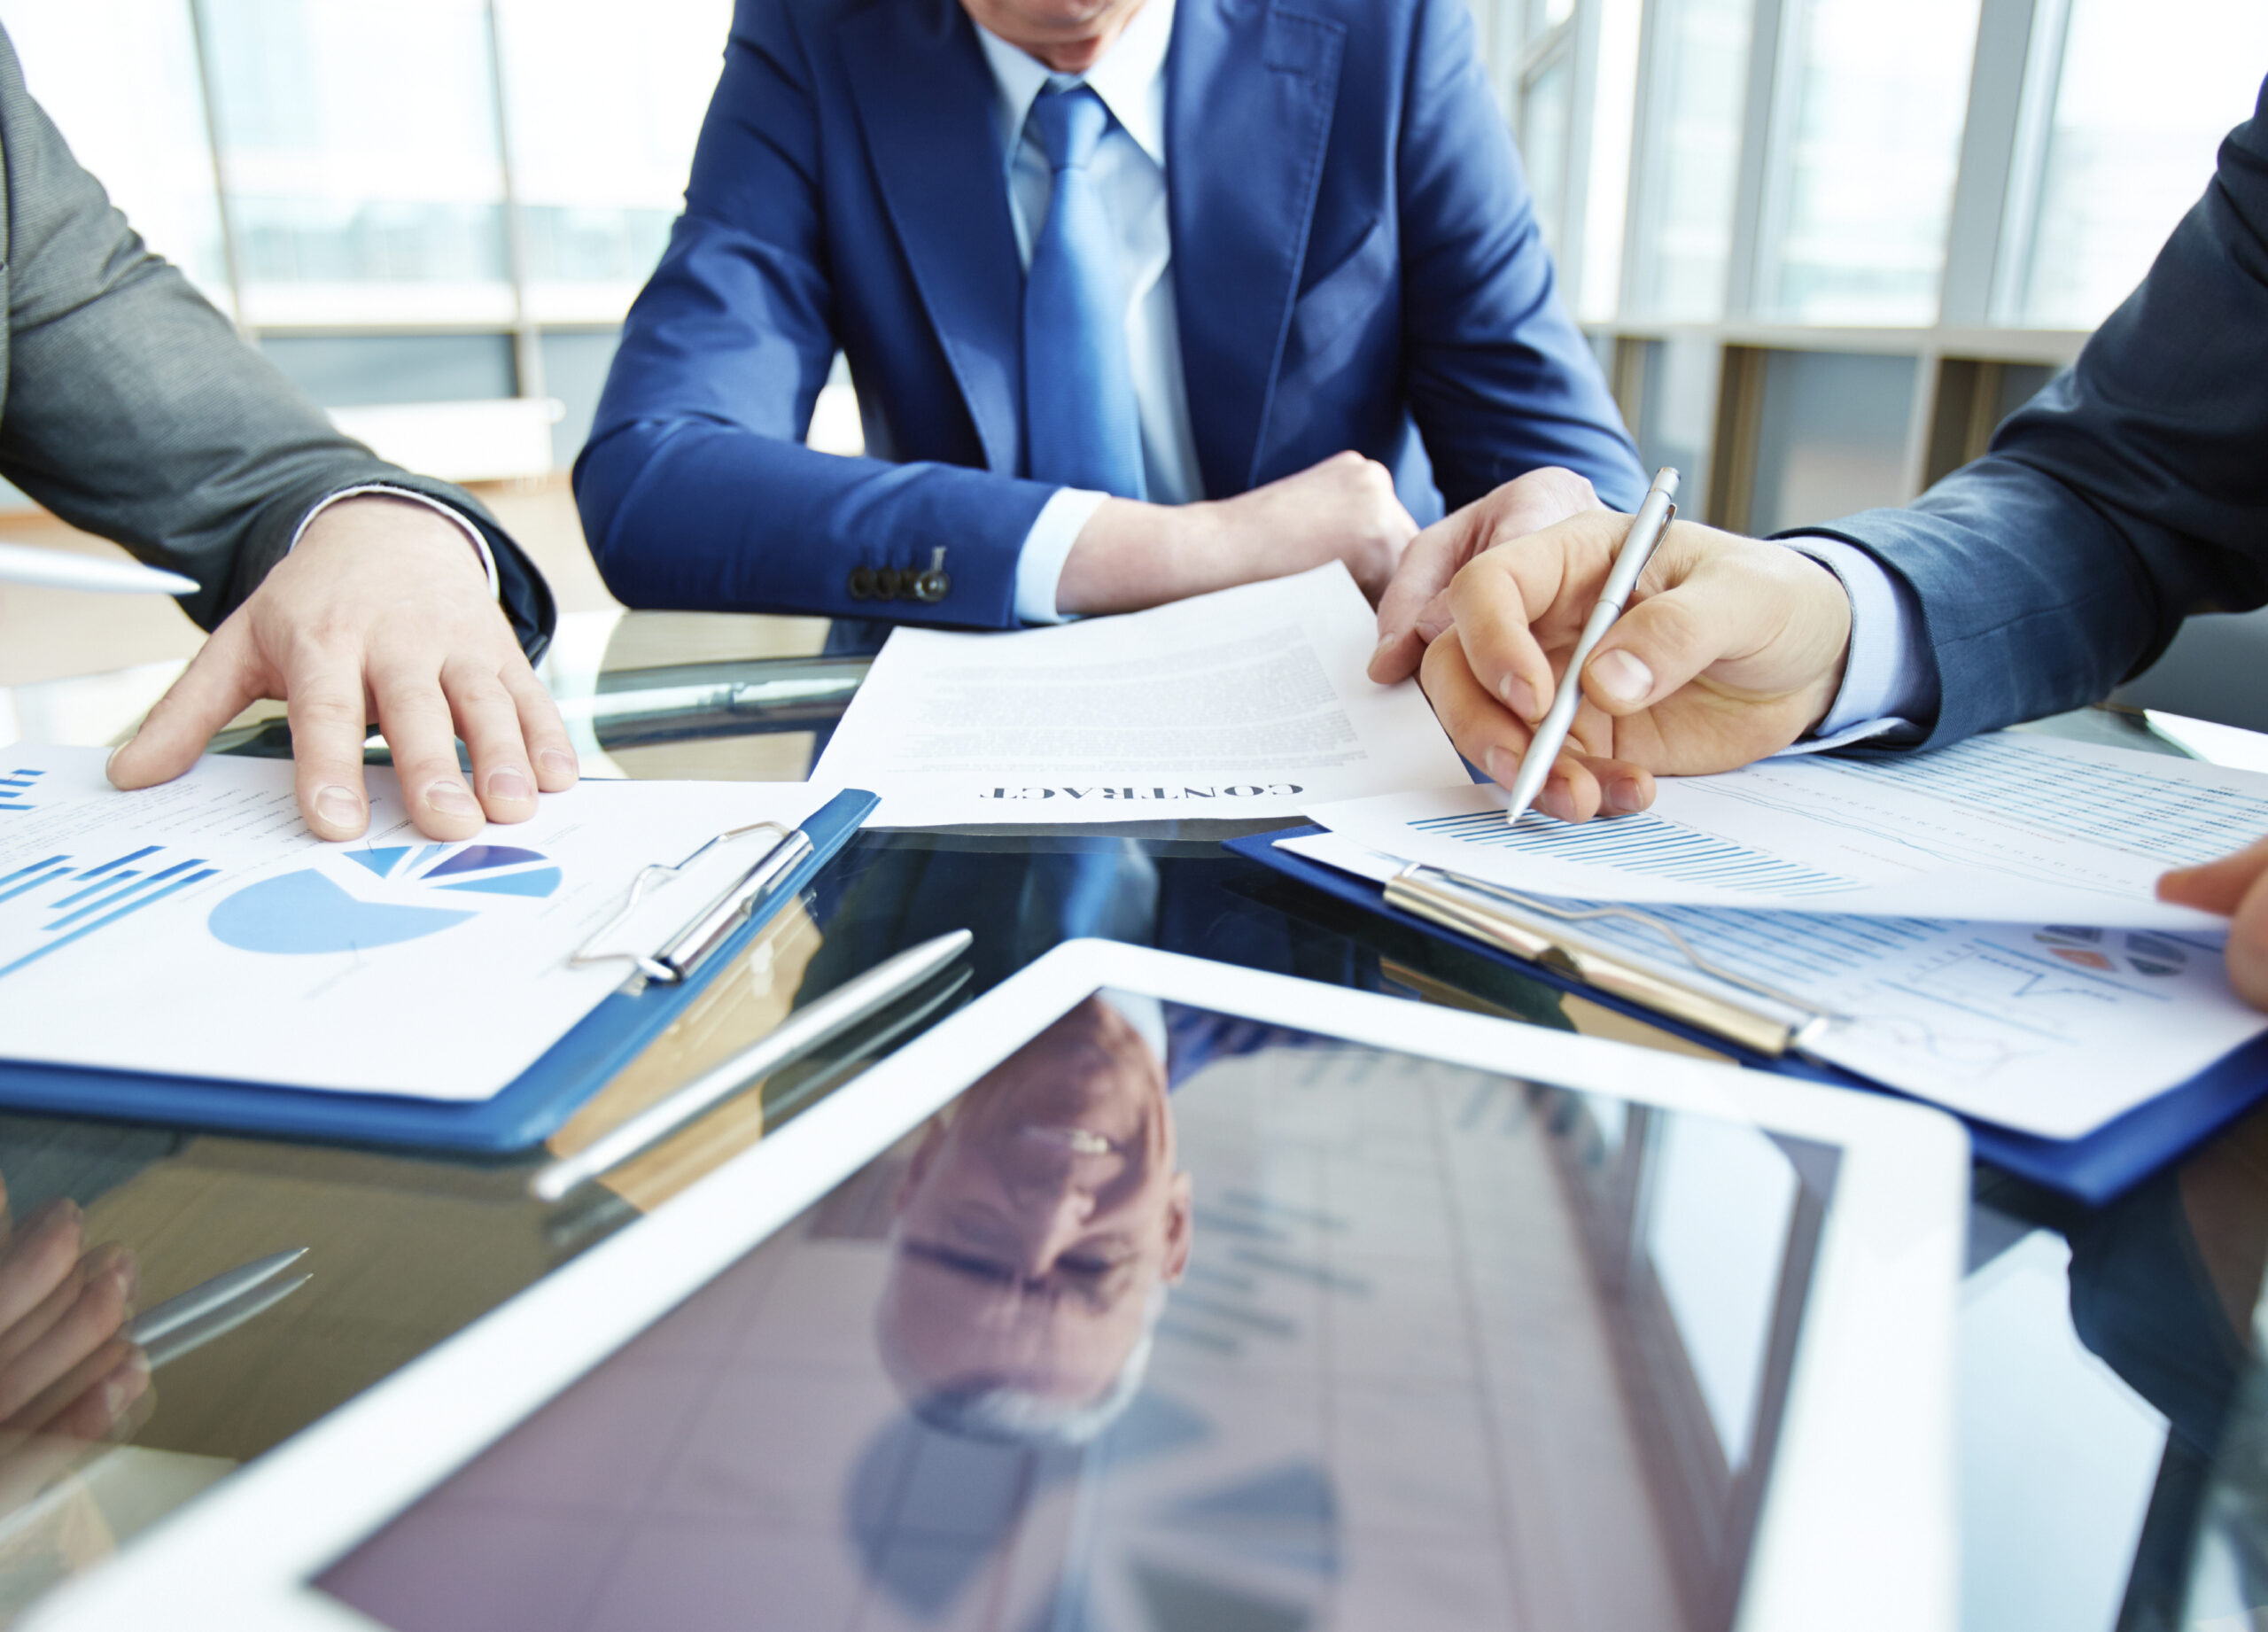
197	929
2051	1030
2011	827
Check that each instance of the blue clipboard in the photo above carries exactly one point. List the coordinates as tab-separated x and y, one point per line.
2093	1169
525	1112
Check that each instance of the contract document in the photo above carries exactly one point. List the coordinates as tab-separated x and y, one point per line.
2010	827
1250	703
198	929
2049	1031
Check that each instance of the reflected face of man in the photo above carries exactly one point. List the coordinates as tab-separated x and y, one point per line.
1068	36
1037	1225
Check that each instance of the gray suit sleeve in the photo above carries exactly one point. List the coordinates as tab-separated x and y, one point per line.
133	410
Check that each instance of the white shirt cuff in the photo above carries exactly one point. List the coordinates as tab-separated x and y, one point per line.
1886	677
479	544
1040	567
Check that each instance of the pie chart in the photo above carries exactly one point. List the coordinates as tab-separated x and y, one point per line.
424	889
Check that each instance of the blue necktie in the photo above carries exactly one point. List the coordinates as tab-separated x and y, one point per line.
1079	413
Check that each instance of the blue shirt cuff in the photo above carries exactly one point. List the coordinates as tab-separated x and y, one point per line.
1039	567
1890	686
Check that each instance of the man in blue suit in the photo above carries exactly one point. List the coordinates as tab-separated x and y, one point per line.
2130	493
1141	299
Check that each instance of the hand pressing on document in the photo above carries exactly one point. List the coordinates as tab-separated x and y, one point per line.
1729	650
1131	555
381	613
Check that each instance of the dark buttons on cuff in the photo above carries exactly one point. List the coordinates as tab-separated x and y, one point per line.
863	586
931	587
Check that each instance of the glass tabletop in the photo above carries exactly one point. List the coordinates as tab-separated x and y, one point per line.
2111	1425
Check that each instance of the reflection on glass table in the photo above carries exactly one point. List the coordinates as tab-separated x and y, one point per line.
1177	1320
2101	1351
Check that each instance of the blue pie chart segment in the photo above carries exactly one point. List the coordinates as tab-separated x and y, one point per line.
483	858
542	882
304	912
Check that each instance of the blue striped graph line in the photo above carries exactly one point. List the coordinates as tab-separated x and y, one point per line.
62	941
1645	844
131	855
15	883
15	784
118	894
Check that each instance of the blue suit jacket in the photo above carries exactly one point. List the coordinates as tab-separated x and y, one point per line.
2131	493
1354	255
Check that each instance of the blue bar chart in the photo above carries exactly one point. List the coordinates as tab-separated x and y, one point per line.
68	902
16	789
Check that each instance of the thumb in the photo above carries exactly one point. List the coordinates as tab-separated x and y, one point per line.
2218	886
1662	642
220	682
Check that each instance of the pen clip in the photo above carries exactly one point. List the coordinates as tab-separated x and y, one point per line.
678	958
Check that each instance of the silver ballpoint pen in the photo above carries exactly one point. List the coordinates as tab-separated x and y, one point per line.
1638	546
800	1032
59	569
162	1319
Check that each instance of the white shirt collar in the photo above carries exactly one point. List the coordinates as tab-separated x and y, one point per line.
1131	79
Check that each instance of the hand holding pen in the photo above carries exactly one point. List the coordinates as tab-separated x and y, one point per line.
1726	650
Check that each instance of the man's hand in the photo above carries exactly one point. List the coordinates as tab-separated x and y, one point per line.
1416	607
2236	887
1730	650
1132	556
67	1369
381	613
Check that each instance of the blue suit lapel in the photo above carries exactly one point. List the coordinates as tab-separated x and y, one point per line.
1249	94
926	103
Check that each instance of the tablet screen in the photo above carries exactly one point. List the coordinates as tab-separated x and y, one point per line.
1172	1320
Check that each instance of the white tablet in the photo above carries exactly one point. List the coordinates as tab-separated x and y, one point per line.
1148	1293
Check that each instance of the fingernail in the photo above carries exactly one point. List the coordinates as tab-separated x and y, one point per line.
60	1214
1625	797
448	798
1558	800
126	1383
340	807
1519	697
1501	764
554	764
1622	676
509	785
1385	642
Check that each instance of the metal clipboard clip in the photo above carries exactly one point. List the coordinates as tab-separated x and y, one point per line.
677	959
1756	1016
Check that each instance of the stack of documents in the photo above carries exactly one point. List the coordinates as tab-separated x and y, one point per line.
198	931
1977	926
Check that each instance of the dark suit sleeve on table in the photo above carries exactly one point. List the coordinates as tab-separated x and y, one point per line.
133	410
2130	493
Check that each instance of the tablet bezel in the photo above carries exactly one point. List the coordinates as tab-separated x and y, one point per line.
1858	1523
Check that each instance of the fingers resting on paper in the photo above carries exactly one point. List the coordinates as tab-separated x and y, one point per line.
1414	610
1729	650
2236	887
381	614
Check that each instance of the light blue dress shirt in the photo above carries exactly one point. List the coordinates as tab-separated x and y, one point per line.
1889	686
1129	172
